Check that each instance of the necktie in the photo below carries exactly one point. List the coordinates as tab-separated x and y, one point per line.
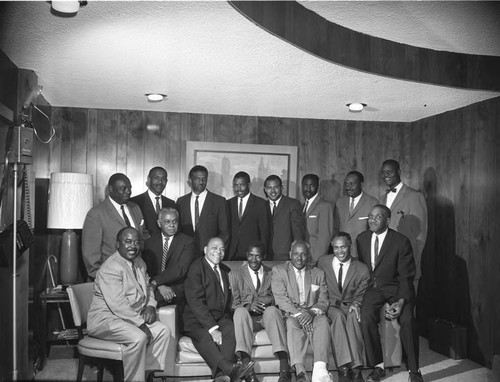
340	277
351	206
274	208
125	217
305	207
258	281
196	211
164	257
216	270
240	208
391	189
135	275
376	247
300	281
157	204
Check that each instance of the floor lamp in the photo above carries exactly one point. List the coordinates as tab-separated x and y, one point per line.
70	198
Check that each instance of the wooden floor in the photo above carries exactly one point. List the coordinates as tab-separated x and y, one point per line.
435	367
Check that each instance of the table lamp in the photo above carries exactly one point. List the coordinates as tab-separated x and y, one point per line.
70	198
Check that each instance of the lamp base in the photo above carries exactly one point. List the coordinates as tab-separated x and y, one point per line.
68	269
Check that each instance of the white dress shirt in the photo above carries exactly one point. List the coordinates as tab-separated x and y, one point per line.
201	202
127	211
381	239
392	195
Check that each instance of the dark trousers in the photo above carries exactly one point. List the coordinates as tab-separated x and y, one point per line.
373	301
209	350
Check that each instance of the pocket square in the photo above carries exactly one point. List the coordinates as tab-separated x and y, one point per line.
314	287
313	216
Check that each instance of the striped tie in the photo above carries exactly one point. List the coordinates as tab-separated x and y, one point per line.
164	257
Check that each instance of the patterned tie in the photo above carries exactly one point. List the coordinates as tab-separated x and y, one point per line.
351	206
125	217
305	207
340	277
240	209
300	282
164	257
196	211
157	204
258	281
216	270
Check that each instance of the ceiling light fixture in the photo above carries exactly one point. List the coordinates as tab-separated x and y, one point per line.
356	107
156	97
66	8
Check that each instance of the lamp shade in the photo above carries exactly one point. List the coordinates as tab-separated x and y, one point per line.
70	198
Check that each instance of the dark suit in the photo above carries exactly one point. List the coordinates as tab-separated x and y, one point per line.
319	220
390	280
409	217
288	225
181	254
149	210
102	224
353	223
213	221
254	226
207	305
347	338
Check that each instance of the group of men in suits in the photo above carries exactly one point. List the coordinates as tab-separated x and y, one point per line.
179	232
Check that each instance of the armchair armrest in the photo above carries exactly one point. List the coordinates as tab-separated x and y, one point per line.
167	315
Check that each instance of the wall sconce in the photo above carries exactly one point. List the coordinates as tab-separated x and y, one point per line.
70	198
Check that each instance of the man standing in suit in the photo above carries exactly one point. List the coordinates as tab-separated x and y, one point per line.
319	217
300	291
254	310
123	309
168	255
203	214
351	210
347	280
248	218
103	222
207	315
388	255
408	210
152	201
288	221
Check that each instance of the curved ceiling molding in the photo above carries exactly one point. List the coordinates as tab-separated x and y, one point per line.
307	30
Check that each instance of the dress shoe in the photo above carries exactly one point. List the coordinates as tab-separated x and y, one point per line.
357	375
251	377
239	371
415	377
376	375
302	377
285	376
344	374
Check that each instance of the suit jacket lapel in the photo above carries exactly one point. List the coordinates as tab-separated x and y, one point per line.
348	276
307	287
399	197
312	206
113	212
293	282
358	206
383	249
206	207
249	205
247	277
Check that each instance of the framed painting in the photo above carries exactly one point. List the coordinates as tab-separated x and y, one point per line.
223	160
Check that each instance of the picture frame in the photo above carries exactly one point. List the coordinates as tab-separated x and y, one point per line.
224	160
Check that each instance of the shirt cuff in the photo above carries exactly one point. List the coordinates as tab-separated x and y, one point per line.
213	328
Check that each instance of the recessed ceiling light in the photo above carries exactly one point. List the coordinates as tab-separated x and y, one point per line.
155	97
356	106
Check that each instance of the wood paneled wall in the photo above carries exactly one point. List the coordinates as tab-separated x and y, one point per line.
453	157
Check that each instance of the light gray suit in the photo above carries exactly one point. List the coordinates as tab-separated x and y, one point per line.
351	223
409	217
115	314
319	220
244	293
286	294
102	224
347	338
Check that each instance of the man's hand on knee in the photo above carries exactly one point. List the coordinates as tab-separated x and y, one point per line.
149	314
147	332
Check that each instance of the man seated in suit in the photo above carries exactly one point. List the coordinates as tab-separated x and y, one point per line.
168	255
203	214
103	222
123	309
347	280
254	310
352	209
152	201
388	255
207	315
248	218
287	220
300	291
319	217
408	210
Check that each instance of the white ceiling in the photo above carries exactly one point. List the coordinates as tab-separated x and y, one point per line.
208	58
